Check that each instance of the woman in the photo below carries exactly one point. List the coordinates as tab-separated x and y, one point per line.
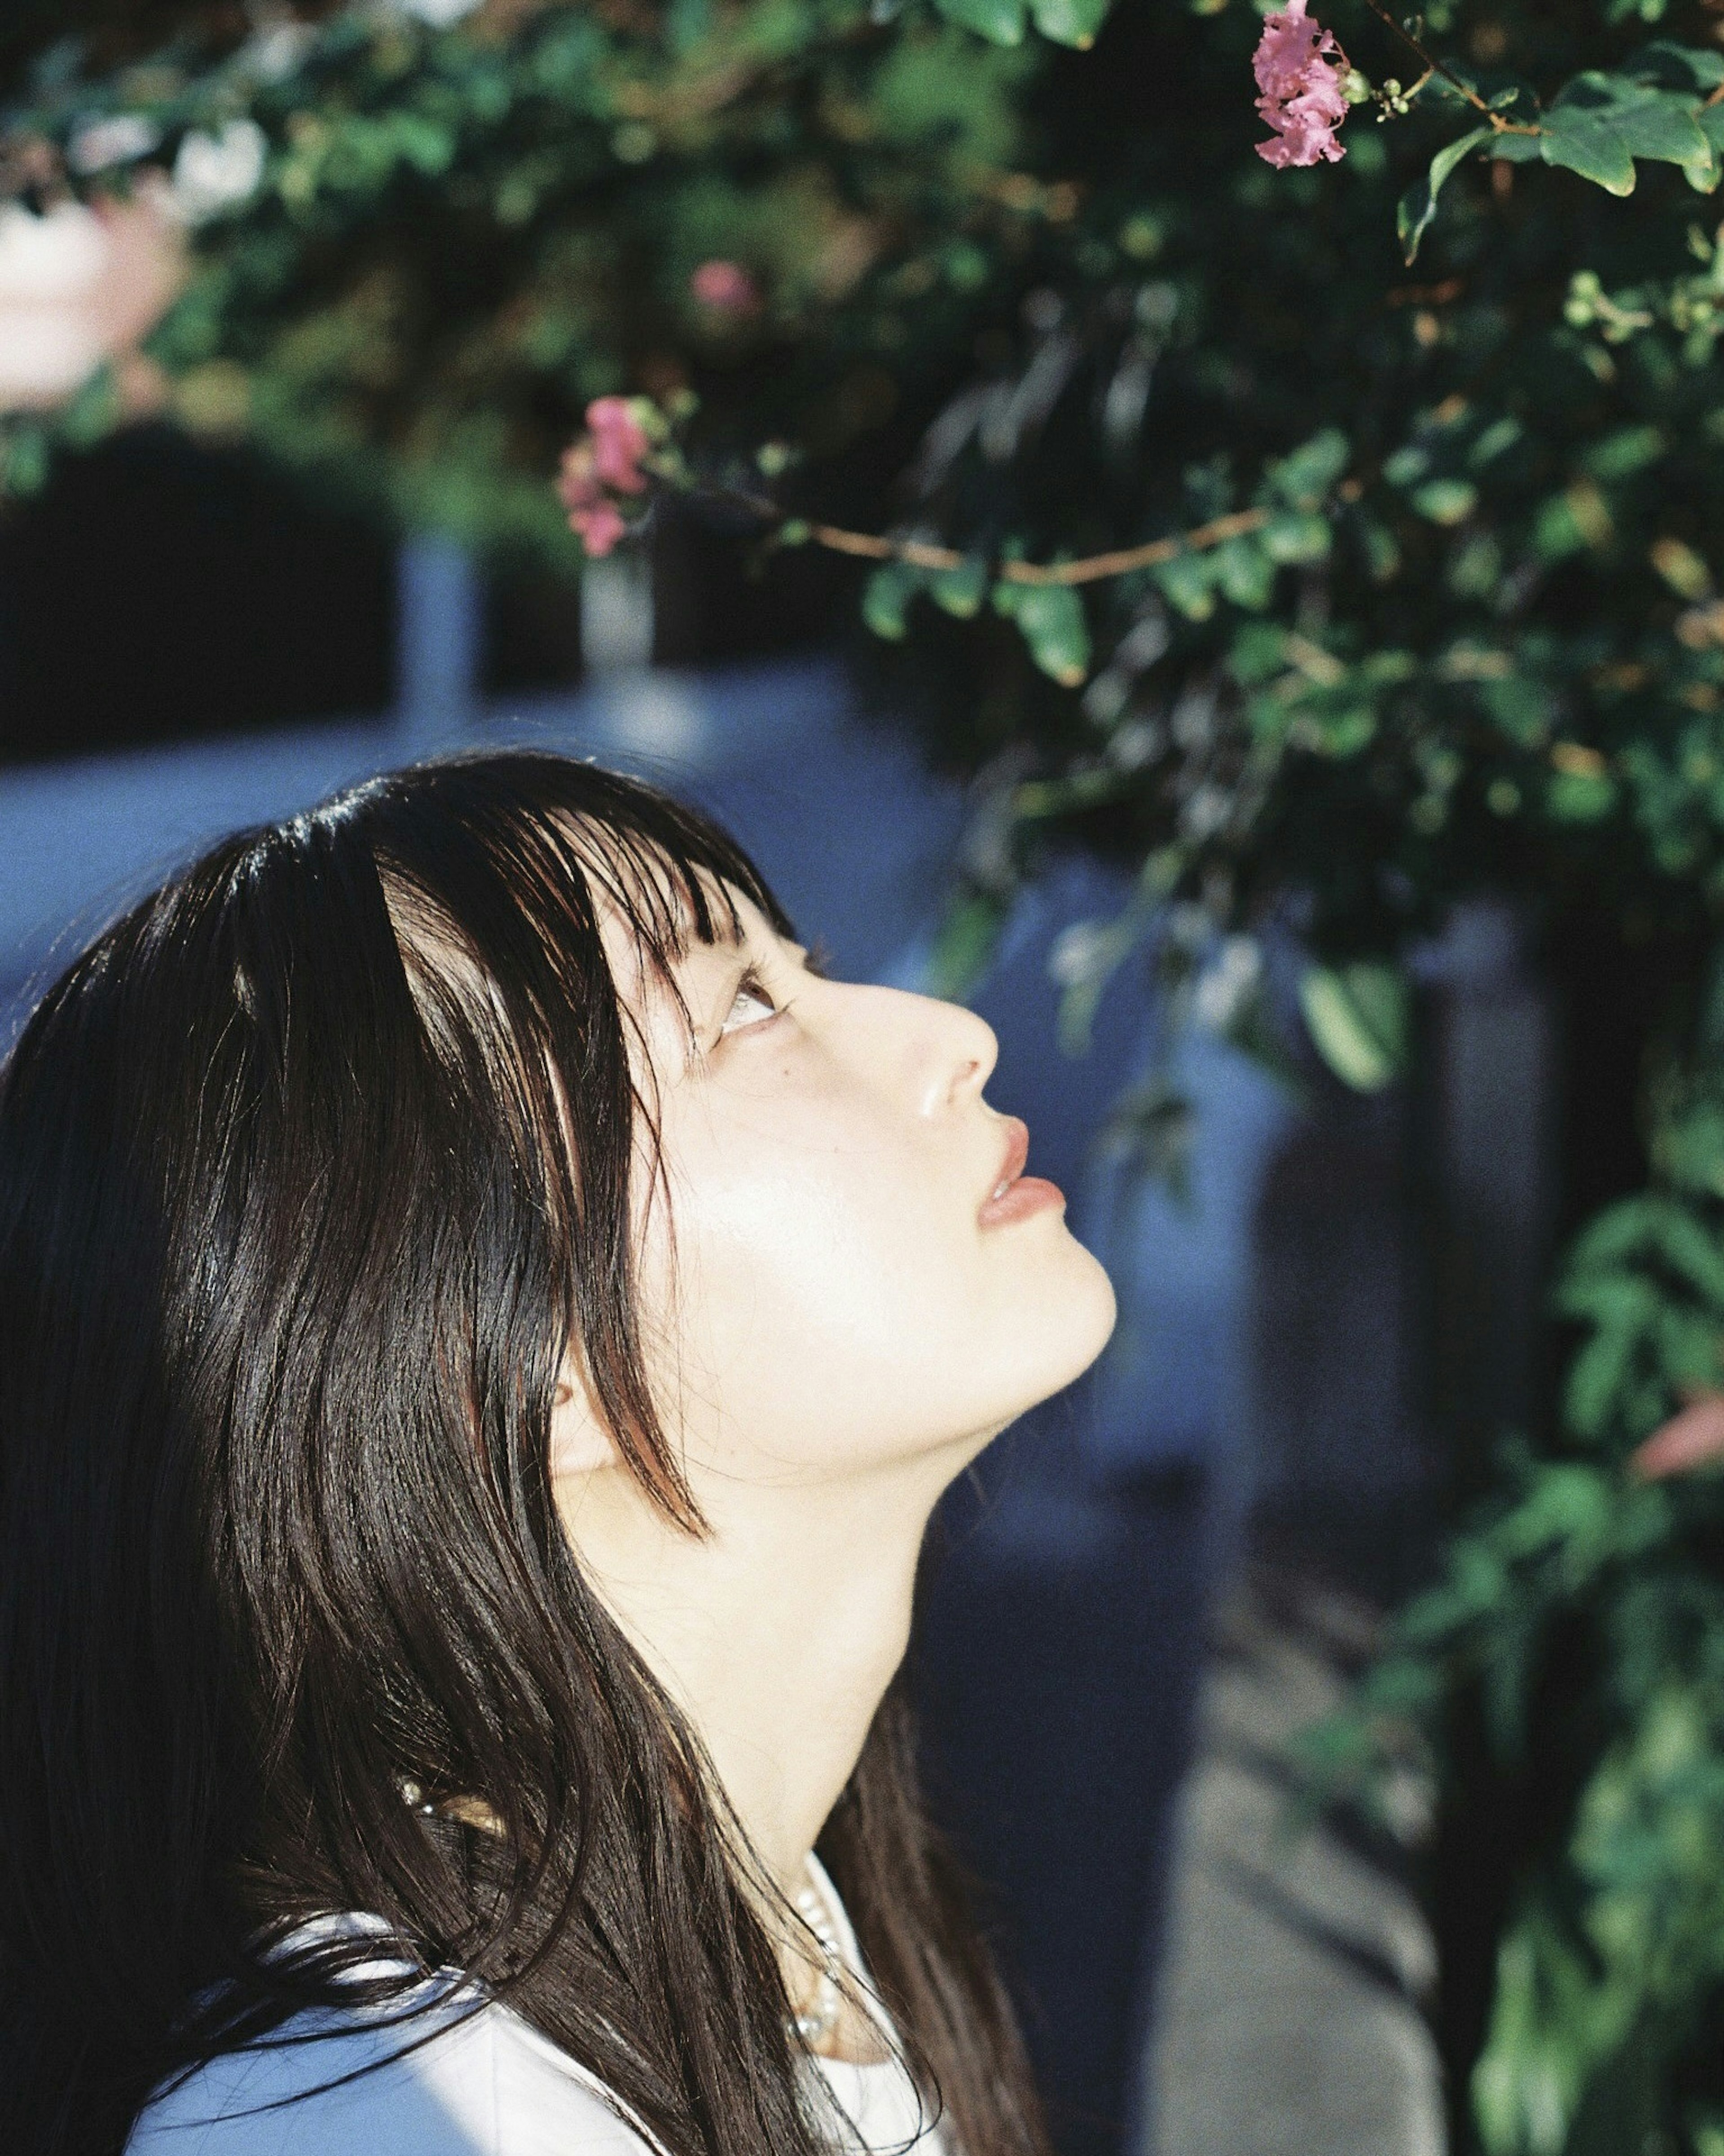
482	1326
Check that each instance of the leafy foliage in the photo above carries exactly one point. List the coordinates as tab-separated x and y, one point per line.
1331	544
1602	2035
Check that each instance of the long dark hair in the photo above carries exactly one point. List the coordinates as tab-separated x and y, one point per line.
310	1169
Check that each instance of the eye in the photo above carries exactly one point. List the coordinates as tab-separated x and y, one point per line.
753	1005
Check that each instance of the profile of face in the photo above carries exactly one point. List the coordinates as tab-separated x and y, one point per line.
844	1273
307	1168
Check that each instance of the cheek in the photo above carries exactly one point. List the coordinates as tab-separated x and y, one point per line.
835	1300
818	1276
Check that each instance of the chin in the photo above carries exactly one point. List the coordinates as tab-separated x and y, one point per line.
1074	1314
1094	1310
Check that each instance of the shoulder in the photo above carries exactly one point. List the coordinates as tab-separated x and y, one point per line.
482	2082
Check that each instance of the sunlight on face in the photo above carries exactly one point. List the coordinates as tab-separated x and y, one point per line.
843	1287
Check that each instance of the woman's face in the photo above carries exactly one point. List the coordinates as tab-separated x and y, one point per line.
831	1282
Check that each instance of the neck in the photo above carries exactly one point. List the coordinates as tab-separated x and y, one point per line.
777	1633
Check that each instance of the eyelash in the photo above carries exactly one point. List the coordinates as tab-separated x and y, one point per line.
752	985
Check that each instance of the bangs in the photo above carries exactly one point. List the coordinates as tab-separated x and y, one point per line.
665	903
571	841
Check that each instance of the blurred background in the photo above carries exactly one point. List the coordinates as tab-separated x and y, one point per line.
1252	633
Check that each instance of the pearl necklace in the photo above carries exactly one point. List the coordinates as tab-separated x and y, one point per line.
816	2022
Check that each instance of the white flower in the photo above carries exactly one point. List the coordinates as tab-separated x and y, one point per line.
272	54
50	270
78	286
1081	954
1137	743
116	140
214	172
1226	983
438	13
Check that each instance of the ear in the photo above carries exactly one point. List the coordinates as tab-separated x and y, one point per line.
580	1443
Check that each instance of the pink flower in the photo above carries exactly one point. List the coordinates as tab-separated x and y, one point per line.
619	442
577	482
604	463
1693	1438
592	511
725	287
600	527
1298	69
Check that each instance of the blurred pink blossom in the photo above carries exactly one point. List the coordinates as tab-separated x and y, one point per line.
725	287
1692	1437
603	463
592	512
600	527
81	284
619	442
1299	67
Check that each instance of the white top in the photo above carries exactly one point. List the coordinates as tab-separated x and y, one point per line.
482	2082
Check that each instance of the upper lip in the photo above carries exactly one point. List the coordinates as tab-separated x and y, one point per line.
1017	1153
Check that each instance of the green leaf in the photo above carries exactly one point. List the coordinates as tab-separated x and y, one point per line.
1687	1249
1419	205
1303	478
1521	707
960	592
1151	1132
1569	522
1001	22
965	944
1671	66
1579	797
1620	1232
1691	1151
1245	574
1622	453
1071	22
1660	129
1188	584
1295	537
24	459
1051	618
1345	733
1501	435
886	596
1359	1017
1446	500
1597	1376
1585	143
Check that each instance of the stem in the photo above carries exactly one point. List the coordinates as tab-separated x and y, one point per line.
1432	65
921	554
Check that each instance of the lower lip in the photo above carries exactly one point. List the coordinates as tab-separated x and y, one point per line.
1028	1194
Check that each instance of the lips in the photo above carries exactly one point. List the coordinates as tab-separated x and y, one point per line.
1016	1153
1015	1196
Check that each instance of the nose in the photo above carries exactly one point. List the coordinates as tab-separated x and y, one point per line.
936	1055
961	1051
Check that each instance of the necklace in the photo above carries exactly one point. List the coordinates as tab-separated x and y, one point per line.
814	2023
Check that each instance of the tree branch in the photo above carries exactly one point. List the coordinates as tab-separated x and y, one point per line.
922	554
1432	65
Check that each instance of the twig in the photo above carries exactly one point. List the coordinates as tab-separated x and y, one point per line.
1435	66
922	554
